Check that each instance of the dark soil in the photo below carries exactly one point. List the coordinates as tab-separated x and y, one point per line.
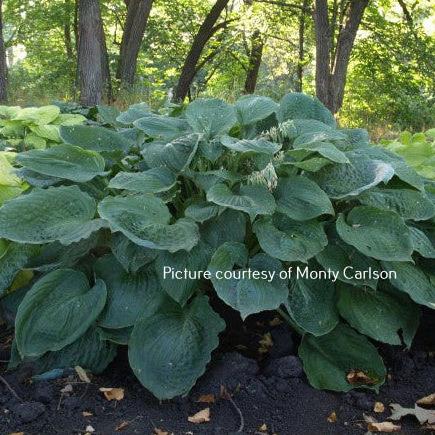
267	384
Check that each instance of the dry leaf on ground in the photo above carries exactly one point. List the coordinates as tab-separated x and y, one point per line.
16	433
200	417
158	431
422	415
332	418
82	374
89	429
122	426
206	398
357	377
385	426
87	414
427	400
67	389
113	393
265	343
379	407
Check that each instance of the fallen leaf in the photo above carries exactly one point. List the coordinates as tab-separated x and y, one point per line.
427	400
275	321
428	427
263	428
385	426
82	374
206	398
122	426
89	429
87	414
224	394
113	393
158	431
16	433
421	414
67	389
332	418
200	417
379	407
357	377
266	343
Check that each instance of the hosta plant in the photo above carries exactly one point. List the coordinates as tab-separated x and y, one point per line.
417	149
33	127
91	251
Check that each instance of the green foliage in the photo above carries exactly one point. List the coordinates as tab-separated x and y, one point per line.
108	213
417	149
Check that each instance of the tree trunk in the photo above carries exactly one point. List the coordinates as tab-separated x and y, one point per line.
205	32
255	55
332	63
138	12
345	43
105	66
323	46
3	64
67	31
301	48
90	56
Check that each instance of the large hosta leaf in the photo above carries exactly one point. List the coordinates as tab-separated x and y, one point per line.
380	234
89	352
253	108
410	279
334	360
131	256
210	116
301	199
50	132
311	304
145	221
318	137
253	200
95	138
230	226
202	211
421	243
128	294
162	126
290	240
196	260
247	294
401	169
383	316
58	213
343	180
57	310
293	128
134	112
300	106
182	339
348	263
253	146
37	115
410	204
325	149
153	180
64	161
175	155
12	259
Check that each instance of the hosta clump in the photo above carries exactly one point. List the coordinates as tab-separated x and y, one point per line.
257	186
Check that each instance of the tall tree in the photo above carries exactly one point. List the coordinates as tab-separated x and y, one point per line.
255	56
90	53
301	46
138	12
333	53
3	65
206	31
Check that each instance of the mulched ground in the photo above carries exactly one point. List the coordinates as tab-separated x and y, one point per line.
270	393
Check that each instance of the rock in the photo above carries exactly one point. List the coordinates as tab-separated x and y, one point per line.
43	392
28	411
285	367
231	370
282	341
